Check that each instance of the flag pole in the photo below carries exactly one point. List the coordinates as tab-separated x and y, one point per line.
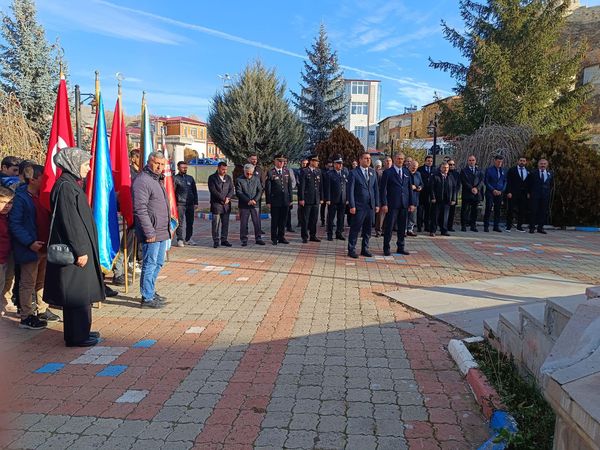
134	259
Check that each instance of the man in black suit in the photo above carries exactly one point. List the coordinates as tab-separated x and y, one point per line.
443	195
395	194
310	197
336	198
363	199
258	173
471	180
298	174
323	208
455	174
541	184
220	186
424	211
516	194
278	191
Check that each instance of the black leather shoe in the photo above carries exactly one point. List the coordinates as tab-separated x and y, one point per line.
315	239
474	230
486	230
402	251
304	240
451	230
387	252
445	233
119	281
366	253
532	231
244	244
109	292
330	238
290	230
274	242
95	334
260	242
463	229
284	241
542	231
226	244
89	342
216	245
340	237
497	230
353	255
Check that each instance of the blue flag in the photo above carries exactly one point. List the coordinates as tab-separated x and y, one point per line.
104	200
147	145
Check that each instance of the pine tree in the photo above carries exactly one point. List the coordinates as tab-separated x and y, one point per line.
29	66
252	116
321	102
519	70
340	142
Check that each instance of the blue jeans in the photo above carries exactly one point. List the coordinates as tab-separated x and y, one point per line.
153	260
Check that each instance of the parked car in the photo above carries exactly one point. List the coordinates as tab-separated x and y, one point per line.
203	162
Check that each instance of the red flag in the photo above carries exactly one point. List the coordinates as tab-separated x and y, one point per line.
119	158
61	136
170	188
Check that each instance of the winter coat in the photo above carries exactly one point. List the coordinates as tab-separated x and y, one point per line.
22	225
73	286
151	207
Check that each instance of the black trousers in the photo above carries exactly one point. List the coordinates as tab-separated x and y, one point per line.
539	212
439	217
516	206
279	215
300	214
186	222
335	212
451	214
220	227
322	213
468	213
395	218
288	222
362	222
309	224
492	202
424	215
77	323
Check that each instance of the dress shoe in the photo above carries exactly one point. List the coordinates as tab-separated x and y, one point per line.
340	237
95	334
402	251
366	253
109	292
304	240
412	234
532	231
290	230
244	244
474	230
284	241
445	233
386	252
431	234
463	229
497	230
329	238
260	242
542	231
274	242
119	281
89	342
226	244
486	230
353	254
315	239
451	230
520	229
377	234
216	245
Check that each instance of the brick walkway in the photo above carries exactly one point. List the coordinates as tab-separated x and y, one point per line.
271	347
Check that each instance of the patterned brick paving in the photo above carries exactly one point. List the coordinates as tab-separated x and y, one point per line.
272	347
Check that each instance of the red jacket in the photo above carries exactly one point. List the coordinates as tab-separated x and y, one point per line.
5	247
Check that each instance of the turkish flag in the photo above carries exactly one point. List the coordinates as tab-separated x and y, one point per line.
119	157
61	136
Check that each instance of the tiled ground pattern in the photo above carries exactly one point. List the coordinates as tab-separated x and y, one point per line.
298	349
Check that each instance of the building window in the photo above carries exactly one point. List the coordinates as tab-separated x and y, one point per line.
360	87
359	132
360	108
194	132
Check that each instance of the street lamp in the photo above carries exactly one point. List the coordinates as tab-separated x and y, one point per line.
432	131
90	99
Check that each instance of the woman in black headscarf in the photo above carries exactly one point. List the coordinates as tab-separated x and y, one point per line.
76	286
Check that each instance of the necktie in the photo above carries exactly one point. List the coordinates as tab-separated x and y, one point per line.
366	171
279	172
473	170
544	175
498	174
522	176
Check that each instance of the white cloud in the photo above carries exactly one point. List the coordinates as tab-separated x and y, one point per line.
403	39
99	19
418	96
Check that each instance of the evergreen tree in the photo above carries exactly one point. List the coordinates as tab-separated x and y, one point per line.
340	142
252	115
29	66
519	70
321	101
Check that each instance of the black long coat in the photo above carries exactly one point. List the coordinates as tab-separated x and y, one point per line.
219	191
73	286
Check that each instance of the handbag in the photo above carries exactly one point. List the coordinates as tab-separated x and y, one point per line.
59	254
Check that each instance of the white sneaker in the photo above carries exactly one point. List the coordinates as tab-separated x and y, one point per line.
191	242
138	269
180	244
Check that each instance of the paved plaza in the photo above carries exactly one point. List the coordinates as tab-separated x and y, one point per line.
272	347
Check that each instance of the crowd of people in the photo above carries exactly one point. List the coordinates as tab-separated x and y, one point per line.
393	195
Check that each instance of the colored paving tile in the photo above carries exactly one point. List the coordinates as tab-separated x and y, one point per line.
225	272
145	343
50	368
132	396
112	371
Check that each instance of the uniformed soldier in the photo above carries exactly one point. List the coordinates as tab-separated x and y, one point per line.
310	197
336	198
278	190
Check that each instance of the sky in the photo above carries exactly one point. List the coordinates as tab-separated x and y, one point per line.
177	51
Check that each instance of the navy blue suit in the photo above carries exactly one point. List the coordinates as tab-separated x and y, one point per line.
336	193
539	197
495	180
364	196
396	193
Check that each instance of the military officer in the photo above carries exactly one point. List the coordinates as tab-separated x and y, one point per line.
336	197
310	197
278	190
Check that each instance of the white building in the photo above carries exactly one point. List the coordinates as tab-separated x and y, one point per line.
364	105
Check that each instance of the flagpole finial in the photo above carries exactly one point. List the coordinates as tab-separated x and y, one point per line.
119	76
97	85
62	73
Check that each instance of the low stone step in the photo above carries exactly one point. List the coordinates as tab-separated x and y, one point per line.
559	311
490	332
509	334
533	314
537	343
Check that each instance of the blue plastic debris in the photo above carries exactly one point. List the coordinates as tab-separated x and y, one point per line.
146	343
112	371
50	368
499	421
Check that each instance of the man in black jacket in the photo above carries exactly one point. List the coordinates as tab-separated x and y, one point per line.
471	180
249	192
310	197
336	197
541	184
444	193
516	194
278	192
220	186
424	211
187	202
455	174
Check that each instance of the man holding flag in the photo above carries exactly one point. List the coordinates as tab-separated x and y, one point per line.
152	220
